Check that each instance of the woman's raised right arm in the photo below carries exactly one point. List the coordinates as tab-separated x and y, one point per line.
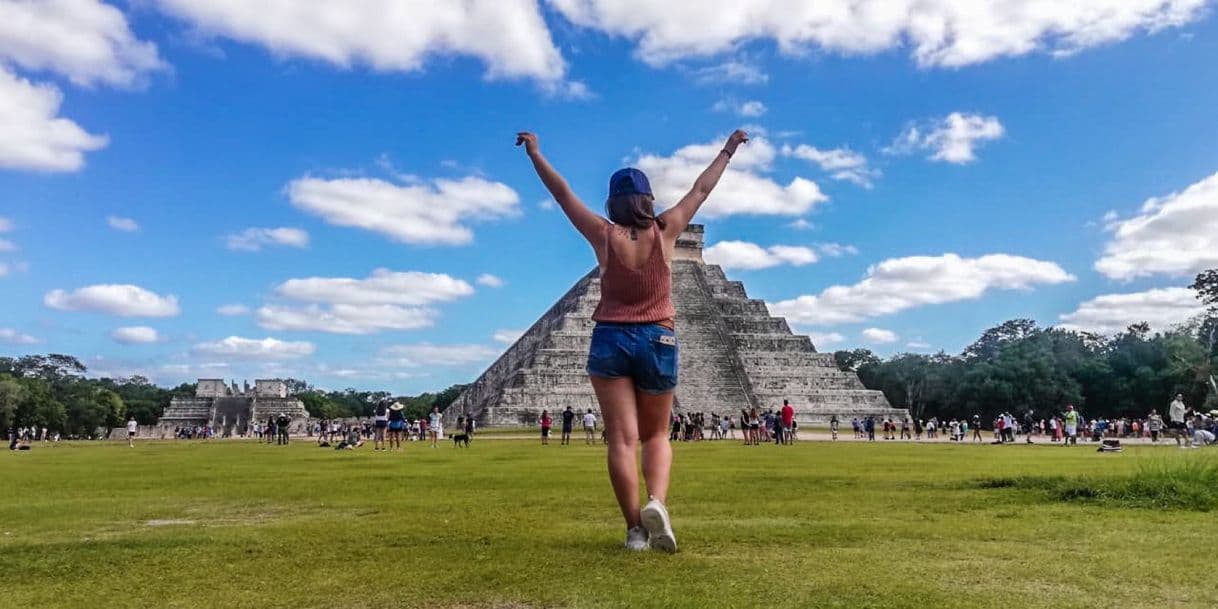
588	223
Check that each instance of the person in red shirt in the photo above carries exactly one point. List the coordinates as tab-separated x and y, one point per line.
546	424
788	421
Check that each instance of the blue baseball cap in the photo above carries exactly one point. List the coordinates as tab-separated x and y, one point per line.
629	181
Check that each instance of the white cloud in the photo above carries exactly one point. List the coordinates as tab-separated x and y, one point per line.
252	348
733	72
801	224
879	336
233	310
898	284
547	205
490	281
750	256
32	135
345	318
13	337
839	163
939	33
88	41
427	354
254	239
827	338
7	246
748	109
918	344
952	139
1175	235
126	225
382	287
386	300
426	214
135	334
507	337
4	270
744	188
6	225
510	36
836	250
1113	313
124	300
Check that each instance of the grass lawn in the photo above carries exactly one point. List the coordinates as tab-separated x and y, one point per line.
510	523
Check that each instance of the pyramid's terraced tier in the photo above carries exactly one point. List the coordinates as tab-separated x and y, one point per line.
734	355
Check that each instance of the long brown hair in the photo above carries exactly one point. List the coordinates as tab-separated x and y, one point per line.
633	210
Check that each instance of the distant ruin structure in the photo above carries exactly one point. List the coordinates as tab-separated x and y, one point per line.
733	355
231	408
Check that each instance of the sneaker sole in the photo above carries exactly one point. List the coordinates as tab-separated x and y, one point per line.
659	531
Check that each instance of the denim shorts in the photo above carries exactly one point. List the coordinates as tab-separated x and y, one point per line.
645	353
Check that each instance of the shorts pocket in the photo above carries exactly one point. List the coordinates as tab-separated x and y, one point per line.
667	361
605	354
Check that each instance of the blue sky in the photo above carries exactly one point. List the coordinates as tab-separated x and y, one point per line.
918	173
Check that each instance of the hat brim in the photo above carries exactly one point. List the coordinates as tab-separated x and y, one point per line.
396	407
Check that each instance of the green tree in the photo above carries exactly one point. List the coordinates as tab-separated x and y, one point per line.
40	408
851	361
1206	286
113	407
12	394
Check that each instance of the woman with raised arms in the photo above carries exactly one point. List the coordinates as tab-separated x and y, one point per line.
632	362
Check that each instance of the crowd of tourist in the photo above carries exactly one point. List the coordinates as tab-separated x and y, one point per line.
389	427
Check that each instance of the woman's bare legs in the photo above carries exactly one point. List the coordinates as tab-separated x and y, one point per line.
654	412
630	416
620	411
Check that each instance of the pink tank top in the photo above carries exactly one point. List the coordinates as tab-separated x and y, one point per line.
642	295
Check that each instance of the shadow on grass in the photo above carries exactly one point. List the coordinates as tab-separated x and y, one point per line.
1181	484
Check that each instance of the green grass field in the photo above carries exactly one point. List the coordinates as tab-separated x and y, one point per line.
509	523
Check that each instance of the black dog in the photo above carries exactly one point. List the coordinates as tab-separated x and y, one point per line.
460	438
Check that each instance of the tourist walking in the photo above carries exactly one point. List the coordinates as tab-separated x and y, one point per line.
435	426
395	422
589	428
1175	419
1154	423
281	428
568	423
546	423
380	424
788	423
633	357
833	426
1071	424
132	428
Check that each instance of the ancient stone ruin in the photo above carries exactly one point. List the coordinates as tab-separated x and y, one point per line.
734	356
230	409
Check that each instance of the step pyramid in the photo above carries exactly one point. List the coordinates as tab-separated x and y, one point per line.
733	355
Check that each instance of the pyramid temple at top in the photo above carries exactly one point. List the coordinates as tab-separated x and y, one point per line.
733	355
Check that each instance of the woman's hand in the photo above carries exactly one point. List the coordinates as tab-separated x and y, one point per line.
529	140
734	140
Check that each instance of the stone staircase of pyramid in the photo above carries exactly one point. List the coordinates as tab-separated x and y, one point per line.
781	365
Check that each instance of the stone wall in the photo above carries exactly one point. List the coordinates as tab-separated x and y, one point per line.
211	388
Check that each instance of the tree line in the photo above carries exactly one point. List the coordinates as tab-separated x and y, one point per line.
54	391
1018	367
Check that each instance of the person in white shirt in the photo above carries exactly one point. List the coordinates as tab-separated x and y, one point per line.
589	427
1175	418
132	427
434	424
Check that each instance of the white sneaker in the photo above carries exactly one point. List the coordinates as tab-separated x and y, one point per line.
636	539
659	528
